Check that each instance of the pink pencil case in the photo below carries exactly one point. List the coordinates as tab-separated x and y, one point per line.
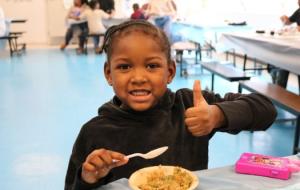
275	167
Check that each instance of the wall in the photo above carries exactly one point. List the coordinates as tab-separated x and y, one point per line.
45	18
56	12
35	13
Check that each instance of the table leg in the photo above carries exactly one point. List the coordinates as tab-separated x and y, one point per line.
212	81
297	134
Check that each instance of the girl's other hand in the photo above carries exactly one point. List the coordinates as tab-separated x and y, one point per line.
202	118
98	164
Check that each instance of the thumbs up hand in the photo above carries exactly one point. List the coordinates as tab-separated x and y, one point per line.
202	118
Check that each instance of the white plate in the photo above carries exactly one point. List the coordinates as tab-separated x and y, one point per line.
140	176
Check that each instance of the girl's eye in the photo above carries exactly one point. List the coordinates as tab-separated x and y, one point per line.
123	66
152	65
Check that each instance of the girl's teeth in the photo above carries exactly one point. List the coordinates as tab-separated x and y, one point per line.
139	93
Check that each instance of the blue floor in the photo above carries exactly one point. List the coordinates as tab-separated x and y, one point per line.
46	96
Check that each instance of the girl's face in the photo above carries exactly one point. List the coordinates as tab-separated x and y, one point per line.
138	71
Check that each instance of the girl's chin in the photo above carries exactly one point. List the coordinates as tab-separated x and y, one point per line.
140	107
136	107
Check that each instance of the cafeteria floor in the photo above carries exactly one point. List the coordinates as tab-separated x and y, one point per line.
45	97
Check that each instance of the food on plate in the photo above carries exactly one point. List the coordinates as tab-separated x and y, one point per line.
163	178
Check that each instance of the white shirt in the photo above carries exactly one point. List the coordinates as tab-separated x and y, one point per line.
73	13
161	8
2	23
94	19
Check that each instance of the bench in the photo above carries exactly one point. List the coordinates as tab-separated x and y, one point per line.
180	47
14	46
86	41
255	68
226	72
19	34
282	98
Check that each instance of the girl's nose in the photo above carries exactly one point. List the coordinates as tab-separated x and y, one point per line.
138	77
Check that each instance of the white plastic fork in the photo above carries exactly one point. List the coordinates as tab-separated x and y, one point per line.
149	155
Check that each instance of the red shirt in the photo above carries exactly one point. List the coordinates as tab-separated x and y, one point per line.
138	14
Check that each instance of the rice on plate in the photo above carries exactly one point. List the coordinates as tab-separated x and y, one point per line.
163	178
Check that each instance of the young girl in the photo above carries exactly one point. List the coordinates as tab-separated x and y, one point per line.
145	114
94	18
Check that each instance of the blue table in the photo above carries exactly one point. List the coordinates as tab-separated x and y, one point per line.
225	178
204	33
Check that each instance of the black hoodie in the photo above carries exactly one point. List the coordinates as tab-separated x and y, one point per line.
128	131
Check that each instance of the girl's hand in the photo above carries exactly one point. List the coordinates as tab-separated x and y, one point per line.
202	118
98	164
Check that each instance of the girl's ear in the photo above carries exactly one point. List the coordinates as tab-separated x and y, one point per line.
172	71
107	73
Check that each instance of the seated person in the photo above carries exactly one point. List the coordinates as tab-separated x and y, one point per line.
280	76
107	6
137	12
3	30
162	12
73	13
94	18
294	18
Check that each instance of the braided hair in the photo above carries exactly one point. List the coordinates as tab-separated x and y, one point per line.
118	31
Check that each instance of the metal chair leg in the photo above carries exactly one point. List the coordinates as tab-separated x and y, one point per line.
212	81
299	83
245	61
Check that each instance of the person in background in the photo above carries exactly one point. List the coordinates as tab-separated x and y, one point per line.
137	12
162	12
294	18
74	12
145	7
174	5
94	18
3	29
280	76
144	114
107	6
